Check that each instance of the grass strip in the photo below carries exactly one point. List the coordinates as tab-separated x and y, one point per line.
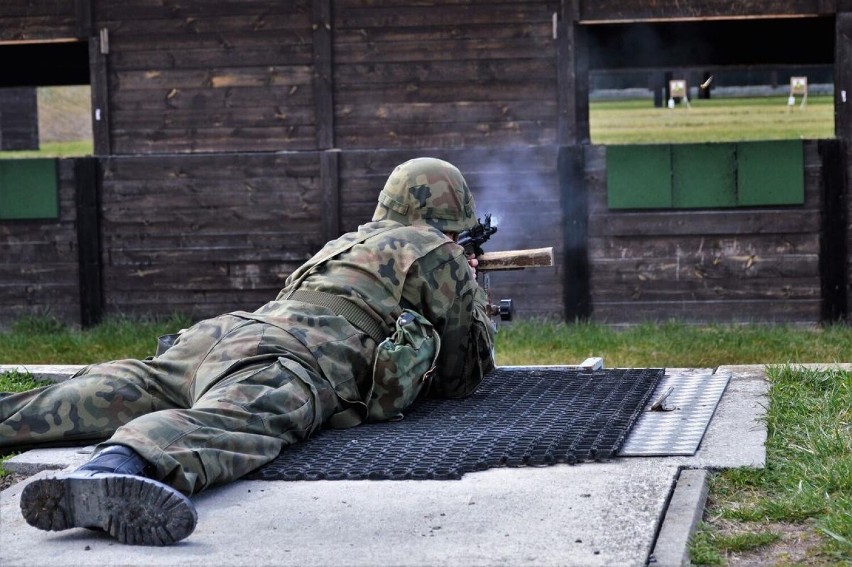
807	480
670	344
43	340
713	120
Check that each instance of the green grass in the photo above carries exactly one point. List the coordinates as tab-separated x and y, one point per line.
670	344
53	149
17	382
713	120
41	340
807	479
708	547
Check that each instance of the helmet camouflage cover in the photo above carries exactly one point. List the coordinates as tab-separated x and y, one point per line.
427	191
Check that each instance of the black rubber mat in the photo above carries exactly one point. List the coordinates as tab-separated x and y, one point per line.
519	416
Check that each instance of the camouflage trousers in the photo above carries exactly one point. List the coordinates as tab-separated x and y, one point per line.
224	400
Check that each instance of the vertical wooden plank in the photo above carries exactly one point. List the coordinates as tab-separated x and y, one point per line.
572	67
86	175
581	85
100	96
330	182
833	266
19	119
565	80
843	110
323	74
576	290
843	76
83	9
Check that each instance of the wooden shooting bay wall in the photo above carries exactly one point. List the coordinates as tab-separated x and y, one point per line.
733	262
232	139
39	261
221	232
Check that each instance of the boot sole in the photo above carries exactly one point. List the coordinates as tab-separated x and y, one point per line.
134	510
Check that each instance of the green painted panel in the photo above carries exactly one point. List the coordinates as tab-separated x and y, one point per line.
28	189
771	173
704	175
638	177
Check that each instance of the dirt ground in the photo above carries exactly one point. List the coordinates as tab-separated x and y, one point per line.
798	546
9	480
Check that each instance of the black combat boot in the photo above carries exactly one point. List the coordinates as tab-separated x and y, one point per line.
111	492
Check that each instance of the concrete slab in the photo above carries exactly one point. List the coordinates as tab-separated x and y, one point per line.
37	460
588	514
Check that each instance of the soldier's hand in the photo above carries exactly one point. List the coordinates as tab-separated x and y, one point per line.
473	263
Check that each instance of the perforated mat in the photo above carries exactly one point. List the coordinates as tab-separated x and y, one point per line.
519	416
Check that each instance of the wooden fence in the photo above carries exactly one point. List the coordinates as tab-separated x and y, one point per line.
201	235
233	138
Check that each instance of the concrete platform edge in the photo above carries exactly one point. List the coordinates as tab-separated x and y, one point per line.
684	511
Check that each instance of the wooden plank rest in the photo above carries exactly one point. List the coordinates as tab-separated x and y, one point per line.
516	259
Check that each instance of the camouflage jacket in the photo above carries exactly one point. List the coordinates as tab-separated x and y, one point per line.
415	267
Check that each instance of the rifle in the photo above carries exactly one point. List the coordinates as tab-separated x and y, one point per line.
472	241
473	238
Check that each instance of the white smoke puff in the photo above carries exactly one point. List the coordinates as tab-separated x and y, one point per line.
515	191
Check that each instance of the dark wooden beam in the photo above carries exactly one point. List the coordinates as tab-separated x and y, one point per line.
575	269
98	71
833	263
19	119
323	79
843	76
572	64
581	85
843	121
88	240
84	18
329	181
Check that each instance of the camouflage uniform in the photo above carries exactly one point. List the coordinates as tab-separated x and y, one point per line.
235	389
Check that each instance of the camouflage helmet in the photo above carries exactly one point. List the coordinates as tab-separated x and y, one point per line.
427	191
